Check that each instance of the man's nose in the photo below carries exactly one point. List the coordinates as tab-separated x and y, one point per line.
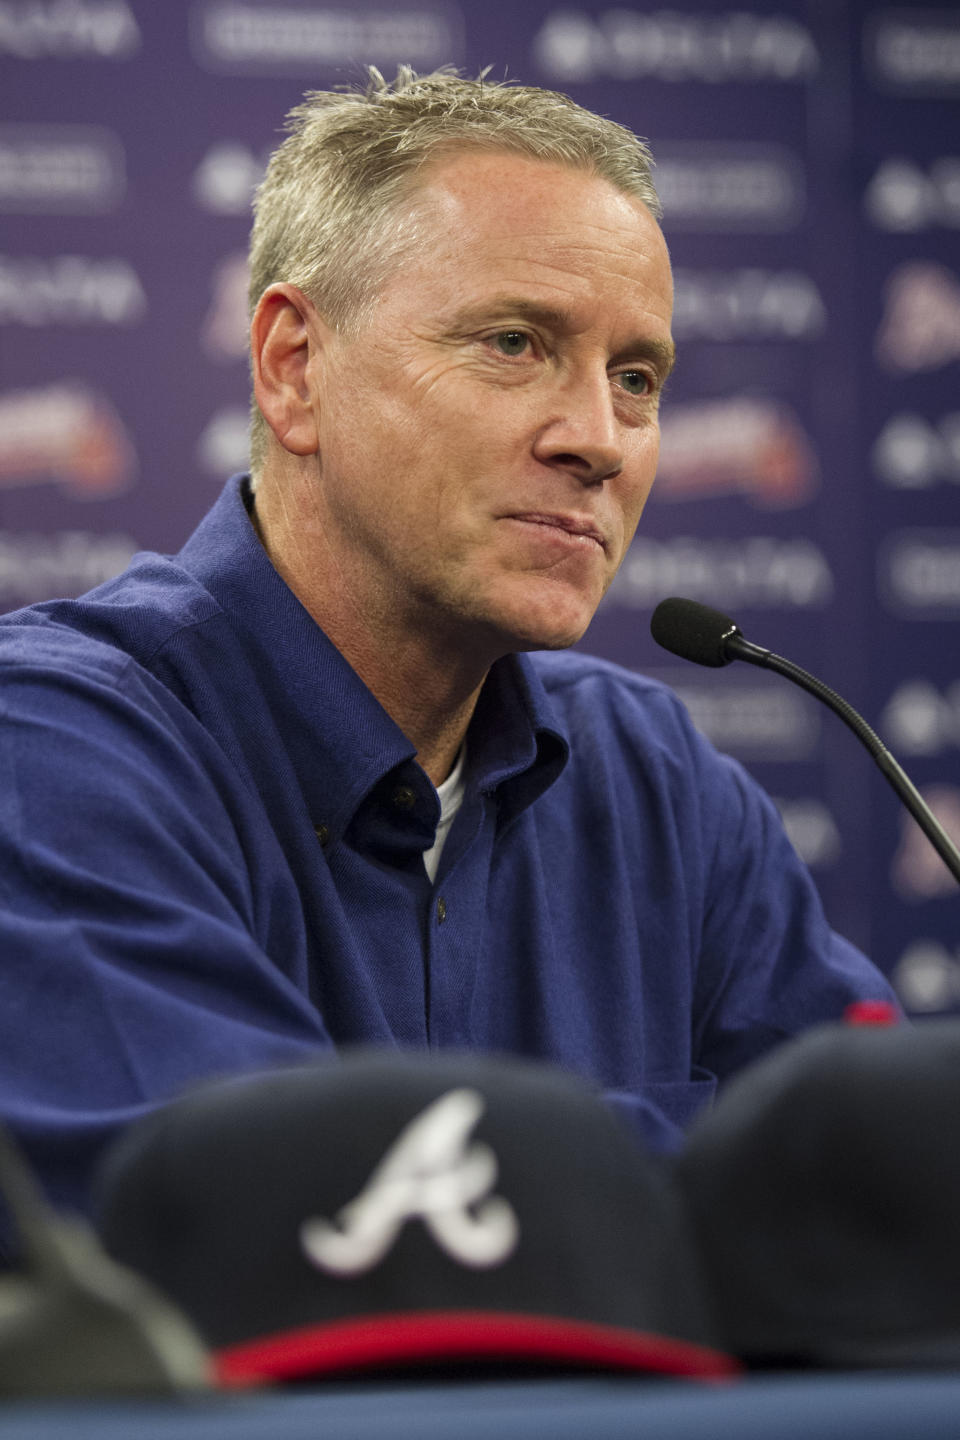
584	437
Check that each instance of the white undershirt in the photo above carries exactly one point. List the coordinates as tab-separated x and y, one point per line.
450	794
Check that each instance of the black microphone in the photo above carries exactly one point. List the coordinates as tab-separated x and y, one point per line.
707	637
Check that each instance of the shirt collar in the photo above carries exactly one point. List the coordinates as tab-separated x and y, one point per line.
337	735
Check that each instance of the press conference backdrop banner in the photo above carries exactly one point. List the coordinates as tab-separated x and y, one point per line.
809	164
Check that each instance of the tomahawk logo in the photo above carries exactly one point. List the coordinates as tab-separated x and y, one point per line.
431	1172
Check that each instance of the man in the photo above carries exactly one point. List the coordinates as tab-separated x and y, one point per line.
301	786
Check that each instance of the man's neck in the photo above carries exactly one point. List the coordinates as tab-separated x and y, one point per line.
426	682
427	694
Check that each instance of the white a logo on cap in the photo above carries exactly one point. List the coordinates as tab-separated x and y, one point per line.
432	1172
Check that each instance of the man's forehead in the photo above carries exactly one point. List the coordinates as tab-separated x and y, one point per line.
564	245
481	187
494	209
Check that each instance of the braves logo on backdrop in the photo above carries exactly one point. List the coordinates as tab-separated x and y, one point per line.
431	1173
226	326
920	329
917	871
746	445
68	434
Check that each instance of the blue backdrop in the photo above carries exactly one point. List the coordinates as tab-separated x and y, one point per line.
809	163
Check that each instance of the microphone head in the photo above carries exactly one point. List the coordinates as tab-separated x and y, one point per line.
693	631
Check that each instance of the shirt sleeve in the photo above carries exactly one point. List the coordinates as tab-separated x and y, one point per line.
129	960
770	964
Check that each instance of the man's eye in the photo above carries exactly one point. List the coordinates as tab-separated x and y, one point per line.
635	382
511	342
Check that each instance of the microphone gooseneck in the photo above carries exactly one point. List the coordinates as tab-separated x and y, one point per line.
708	637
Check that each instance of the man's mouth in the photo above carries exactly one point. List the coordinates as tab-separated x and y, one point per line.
577	527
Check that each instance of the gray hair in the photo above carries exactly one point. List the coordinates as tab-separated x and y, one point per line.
333	214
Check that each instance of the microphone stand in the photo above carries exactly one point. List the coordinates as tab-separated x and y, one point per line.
738	648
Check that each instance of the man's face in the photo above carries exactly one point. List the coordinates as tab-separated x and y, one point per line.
489	436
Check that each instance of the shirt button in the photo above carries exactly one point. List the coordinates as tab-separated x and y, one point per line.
441	909
322	833
404	798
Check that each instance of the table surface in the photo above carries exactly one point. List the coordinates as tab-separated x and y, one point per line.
780	1407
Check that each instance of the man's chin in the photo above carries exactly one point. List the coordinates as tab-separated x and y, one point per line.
527	616
549	633
550	642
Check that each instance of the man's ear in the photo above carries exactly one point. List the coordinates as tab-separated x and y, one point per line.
284	334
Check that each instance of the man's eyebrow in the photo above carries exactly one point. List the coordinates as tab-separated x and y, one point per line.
521	307
661	352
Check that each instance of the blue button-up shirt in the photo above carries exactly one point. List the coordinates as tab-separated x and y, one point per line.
211	860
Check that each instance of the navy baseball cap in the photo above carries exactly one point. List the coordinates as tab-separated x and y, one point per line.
824	1193
390	1210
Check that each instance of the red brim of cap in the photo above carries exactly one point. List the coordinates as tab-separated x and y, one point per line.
386	1341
